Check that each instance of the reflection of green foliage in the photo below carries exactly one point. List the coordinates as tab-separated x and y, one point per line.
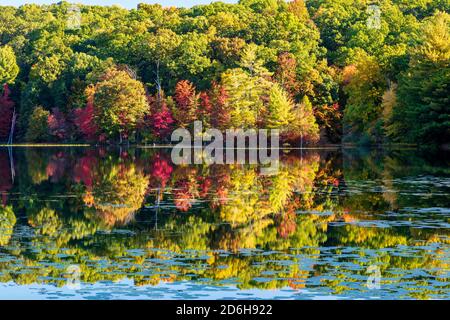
46	221
118	192
37	166
268	232
351	235
7	222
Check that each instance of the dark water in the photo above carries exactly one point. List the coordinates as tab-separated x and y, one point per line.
131	225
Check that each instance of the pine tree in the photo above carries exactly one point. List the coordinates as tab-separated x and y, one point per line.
279	109
304	126
422	112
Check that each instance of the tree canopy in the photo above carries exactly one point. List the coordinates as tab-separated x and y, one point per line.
345	56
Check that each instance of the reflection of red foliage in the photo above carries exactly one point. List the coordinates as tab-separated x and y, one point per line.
286	223
186	188
205	185
336	182
222	180
183	198
84	170
161	170
6	112
56	167
5	176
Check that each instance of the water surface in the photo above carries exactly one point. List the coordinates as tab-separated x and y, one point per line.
136	226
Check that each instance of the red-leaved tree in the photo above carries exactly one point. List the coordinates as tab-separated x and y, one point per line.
286	73
160	119
84	120
220	113
205	108
57	124
186	103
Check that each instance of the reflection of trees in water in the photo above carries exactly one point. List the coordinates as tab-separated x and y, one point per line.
209	210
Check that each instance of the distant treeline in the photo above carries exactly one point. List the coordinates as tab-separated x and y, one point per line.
367	72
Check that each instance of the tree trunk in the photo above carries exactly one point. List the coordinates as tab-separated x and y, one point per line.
11	132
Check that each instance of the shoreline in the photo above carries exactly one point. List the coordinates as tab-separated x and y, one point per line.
169	146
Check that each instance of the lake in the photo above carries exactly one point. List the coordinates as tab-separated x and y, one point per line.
110	223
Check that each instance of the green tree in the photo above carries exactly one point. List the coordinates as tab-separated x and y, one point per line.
422	112
120	103
363	113
304	127
279	109
37	130
8	65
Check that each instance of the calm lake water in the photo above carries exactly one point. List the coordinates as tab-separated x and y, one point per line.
97	223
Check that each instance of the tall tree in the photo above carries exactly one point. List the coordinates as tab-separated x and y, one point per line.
37	130
422	112
286	73
279	109
84	117
186	103
160	119
120	103
304	127
8	65
220	113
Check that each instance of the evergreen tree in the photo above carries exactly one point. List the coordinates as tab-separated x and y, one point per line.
422	113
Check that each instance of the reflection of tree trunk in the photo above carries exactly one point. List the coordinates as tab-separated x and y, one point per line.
157	207
11	164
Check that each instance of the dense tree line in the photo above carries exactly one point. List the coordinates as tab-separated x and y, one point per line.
357	70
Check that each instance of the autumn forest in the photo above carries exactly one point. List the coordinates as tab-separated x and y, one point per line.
323	71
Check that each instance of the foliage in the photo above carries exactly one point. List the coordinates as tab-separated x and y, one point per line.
8	65
423	91
120	103
218	63
38	130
